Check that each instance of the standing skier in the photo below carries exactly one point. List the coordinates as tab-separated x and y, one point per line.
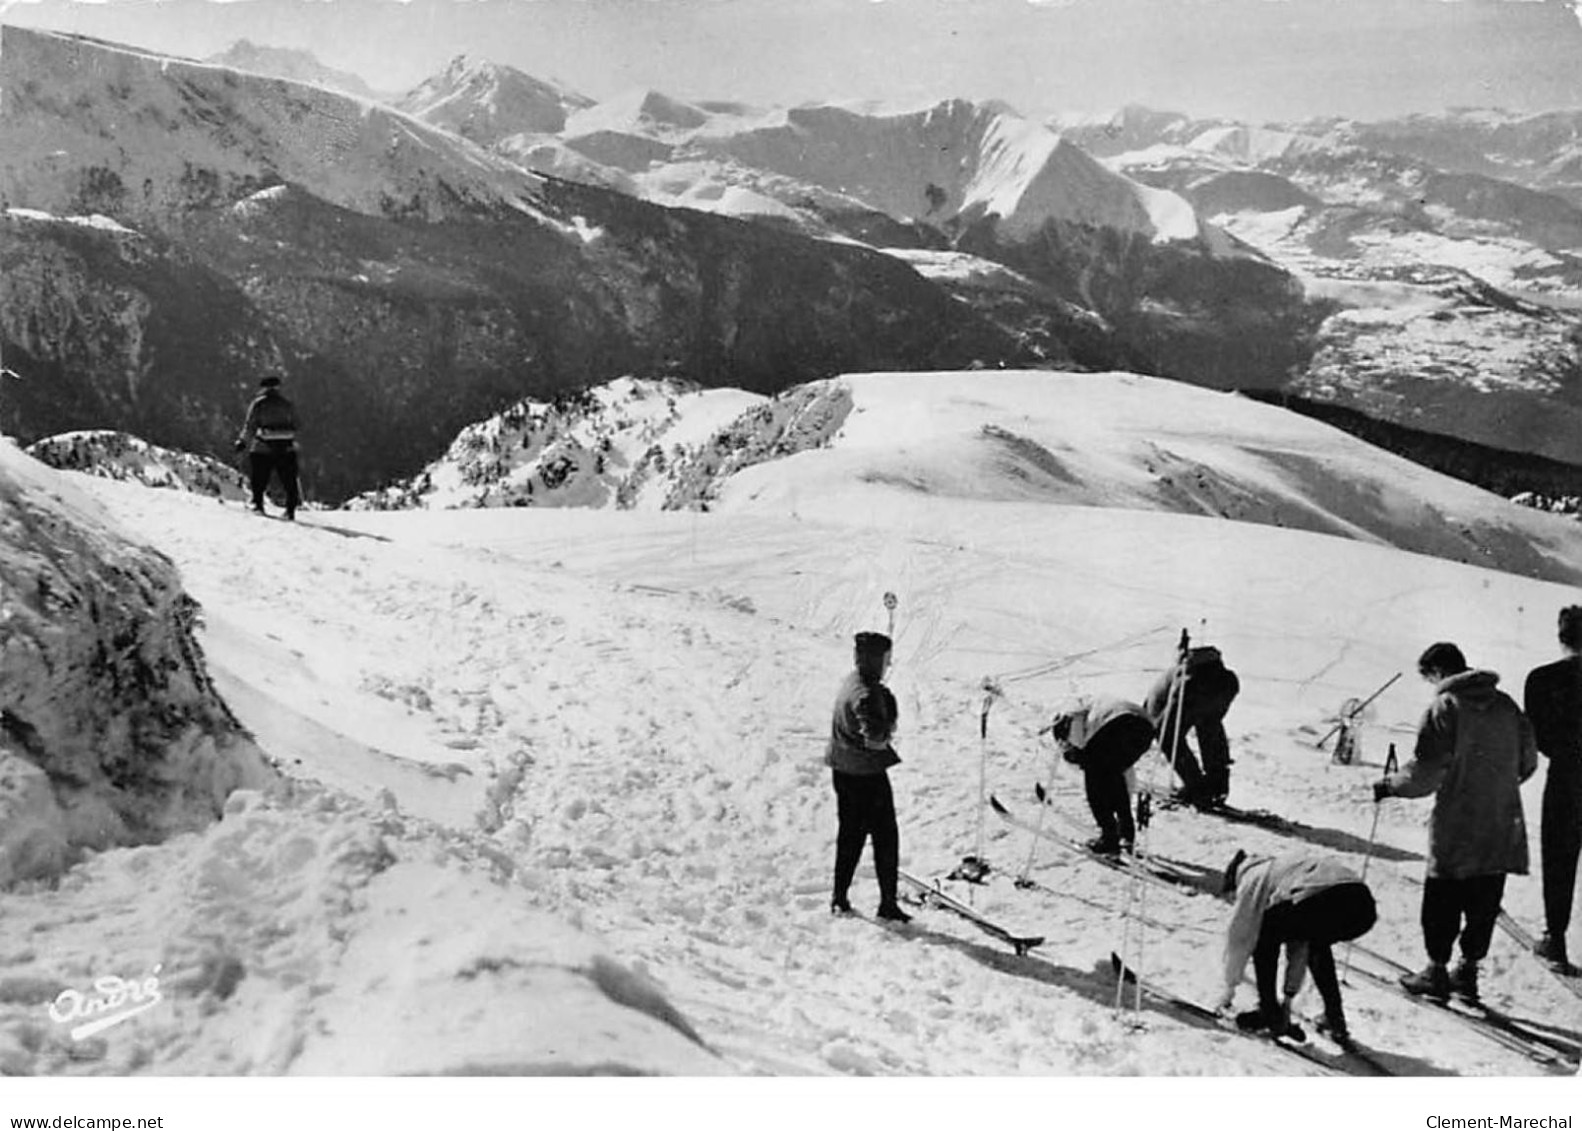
1474	749
1553	699
1104	737
270	436
1305	901
859	754
1194	695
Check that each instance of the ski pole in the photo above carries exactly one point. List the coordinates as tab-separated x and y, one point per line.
991	692
1378	808
889	607
1175	706
1038	831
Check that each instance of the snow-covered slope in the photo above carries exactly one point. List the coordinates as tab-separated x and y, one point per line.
112	733
1103	440
117	455
626	712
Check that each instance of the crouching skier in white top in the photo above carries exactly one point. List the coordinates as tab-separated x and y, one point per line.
1306	901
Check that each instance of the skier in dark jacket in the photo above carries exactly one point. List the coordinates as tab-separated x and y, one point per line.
1553	699
1305	901
1104	737
1474	749
269	435
859	754
1194	695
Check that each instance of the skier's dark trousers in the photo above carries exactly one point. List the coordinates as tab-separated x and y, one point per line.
1195	695
1304	902
1104	737
269	434
1474	749
859	754
1553	701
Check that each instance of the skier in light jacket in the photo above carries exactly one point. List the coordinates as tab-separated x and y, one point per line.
1474	749
1104	737
1305	901
859	754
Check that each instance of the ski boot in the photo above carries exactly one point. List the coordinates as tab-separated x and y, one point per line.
1275	1022
1464	980
1333	1026
1553	952
1431	981
1104	846
840	905
893	913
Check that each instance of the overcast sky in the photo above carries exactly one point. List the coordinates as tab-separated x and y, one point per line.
1253	59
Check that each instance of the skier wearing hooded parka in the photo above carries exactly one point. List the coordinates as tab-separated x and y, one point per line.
1474	749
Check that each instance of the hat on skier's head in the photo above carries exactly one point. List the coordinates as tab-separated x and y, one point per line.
1070	723
270	382
1233	872
872	643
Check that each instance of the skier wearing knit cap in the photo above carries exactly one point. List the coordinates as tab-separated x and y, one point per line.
269	436
1305	901
859	754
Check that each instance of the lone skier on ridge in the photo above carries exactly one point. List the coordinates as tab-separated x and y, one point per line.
859	754
269	435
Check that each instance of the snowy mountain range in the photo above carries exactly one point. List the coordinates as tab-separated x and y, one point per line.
1444	252
416	270
545	791
174	231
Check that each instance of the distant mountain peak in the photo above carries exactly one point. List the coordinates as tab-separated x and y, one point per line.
486	101
291	63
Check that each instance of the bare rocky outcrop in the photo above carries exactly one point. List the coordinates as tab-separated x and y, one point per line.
110	730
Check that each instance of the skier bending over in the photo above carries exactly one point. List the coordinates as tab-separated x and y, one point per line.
1204	688
1474	749
1553	699
270	436
1104	737
859	754
1304	900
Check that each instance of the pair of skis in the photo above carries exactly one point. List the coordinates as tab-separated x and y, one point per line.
1363	1058
932	895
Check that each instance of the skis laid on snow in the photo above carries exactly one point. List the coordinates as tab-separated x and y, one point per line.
1512	1033
1204	1013
1524	939
1262	818
930	895
1150	869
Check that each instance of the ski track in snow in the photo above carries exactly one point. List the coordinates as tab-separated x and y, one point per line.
631	708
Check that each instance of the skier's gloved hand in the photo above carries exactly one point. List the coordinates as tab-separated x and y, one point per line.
1381	790
237	445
